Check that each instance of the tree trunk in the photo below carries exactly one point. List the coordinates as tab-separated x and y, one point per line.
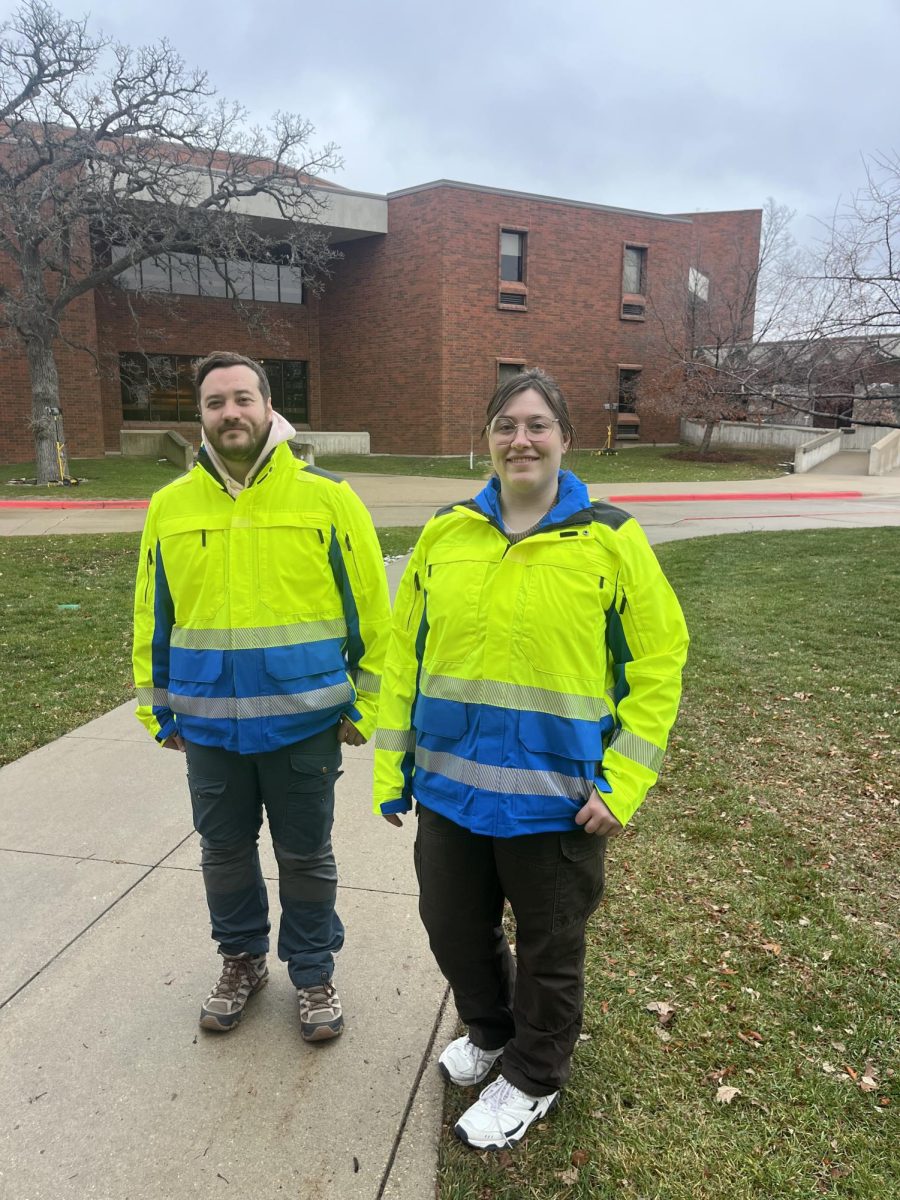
51	460
707	436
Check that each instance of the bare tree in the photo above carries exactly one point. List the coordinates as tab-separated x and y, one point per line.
860	267
710	327
111	155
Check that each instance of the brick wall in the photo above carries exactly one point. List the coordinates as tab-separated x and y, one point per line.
195	325
411	331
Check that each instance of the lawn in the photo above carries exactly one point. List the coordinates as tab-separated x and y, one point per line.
637	464
137	478
110	478
756	893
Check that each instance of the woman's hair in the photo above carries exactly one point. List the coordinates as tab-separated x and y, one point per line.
545	385
226	358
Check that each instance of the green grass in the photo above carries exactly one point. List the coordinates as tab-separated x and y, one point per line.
112	478
638	464
137	478
63	666
756	891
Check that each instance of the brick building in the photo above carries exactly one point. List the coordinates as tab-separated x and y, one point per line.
439	290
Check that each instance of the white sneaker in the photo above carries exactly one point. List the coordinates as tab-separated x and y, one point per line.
466	1064
501	1115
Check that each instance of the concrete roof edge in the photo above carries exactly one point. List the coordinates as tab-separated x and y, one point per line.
495	191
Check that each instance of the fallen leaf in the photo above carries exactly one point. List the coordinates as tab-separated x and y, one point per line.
771	948
867	1084
664	1010
662	1034
579	1158
725	1094
854	1075
568	1176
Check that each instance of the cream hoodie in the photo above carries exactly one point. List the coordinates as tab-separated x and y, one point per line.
281	430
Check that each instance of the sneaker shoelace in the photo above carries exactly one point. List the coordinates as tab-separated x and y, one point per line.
230	979
317	998
497	1093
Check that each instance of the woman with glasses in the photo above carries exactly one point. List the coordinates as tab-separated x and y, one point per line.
532	678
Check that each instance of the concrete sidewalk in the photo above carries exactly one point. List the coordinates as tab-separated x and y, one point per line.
411	500
110	1089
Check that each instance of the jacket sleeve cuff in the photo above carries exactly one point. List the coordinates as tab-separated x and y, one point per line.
167	729
395	806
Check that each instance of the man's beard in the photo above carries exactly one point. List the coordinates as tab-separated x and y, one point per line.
248	452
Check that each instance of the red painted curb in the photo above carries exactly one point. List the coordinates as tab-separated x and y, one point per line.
74	503
668	498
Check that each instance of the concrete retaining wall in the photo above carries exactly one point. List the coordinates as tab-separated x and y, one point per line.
817	450
323	442
157	443
885	454
747	433
862	437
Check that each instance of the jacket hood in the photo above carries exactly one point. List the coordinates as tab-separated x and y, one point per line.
281	430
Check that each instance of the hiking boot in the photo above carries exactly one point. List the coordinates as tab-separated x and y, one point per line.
321	1017
466	1064
501	1115
242	976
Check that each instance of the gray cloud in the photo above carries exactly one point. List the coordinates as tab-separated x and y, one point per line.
666	107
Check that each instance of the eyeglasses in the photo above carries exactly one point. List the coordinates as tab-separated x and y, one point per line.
537	429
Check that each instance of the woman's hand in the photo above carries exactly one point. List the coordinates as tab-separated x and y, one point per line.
347	732
393	819
596	818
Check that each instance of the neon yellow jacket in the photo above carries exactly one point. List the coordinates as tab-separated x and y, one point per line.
520	677
258	620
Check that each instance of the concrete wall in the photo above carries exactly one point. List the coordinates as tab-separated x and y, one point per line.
747	433
863	437
333	443
884	456
816	451
157	443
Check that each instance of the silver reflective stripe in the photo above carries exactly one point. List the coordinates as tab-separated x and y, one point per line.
638	749
238	708
498	694
152	697
261	638
366	682
399	740
511	780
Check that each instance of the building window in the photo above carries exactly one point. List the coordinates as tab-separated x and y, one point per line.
698	284
634	283
513	292
160	387
197	275
506	368
629	379
512	256
628	423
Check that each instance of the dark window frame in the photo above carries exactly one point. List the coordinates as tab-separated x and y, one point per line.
633	304
512	294
151	370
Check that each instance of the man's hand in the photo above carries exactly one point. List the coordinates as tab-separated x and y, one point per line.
175	742
393	819
347	732
596	818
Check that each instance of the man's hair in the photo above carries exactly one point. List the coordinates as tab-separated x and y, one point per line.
226	358
545	385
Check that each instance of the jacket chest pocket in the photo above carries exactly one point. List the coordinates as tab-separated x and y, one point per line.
293	568
194	556
563	622
453	594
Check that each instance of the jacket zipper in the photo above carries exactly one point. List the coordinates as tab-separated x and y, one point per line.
418	588
149	565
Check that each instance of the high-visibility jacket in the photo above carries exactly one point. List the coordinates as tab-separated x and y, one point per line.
258	620
522	676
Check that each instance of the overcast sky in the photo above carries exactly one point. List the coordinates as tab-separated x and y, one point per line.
668	105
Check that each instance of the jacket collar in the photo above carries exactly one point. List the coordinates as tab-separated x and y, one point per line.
571	499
